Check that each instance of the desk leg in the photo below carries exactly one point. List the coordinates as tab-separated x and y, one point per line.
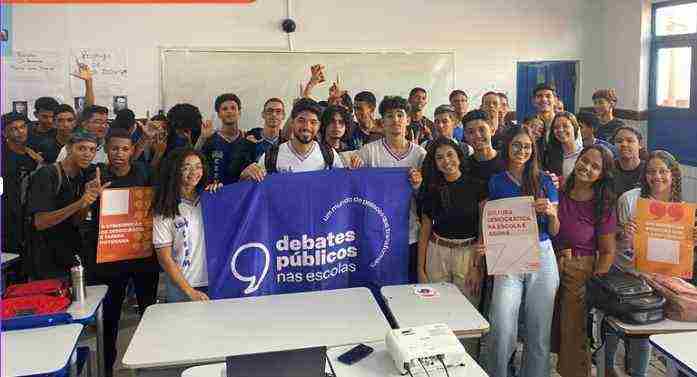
101	369
73	363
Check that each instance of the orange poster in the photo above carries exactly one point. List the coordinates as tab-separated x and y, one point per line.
664	241
125	224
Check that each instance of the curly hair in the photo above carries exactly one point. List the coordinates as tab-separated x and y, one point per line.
676	173
603	189
328	116
167	190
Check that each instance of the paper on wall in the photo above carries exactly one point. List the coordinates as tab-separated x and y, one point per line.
35	73
109	71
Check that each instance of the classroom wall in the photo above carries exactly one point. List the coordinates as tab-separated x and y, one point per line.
487	36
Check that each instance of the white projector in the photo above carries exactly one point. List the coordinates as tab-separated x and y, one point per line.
424	348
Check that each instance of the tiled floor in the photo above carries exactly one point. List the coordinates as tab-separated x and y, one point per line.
130	318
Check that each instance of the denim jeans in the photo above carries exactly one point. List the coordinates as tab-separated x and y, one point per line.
175	294
536	290
639	353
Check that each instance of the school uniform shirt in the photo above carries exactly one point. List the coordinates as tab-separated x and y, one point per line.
417	128
99	158
379	155
291	161
358	138
569	161
228	158
459	133
263	143
502	185
184	234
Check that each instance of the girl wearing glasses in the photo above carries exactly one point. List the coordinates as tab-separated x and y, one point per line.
178	234
536	290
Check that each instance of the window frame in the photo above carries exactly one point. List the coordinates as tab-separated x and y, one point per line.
672	41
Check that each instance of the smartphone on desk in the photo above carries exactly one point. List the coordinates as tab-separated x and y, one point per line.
355	354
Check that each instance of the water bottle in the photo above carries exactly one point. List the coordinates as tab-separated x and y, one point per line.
77	276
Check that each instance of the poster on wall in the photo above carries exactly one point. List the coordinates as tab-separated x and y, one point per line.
32	74
109	69
664	242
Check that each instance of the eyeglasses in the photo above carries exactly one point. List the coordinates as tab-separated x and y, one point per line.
191	168
521	147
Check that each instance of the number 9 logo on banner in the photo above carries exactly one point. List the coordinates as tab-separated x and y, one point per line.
254	281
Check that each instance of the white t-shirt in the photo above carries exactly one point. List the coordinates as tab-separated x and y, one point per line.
569	162
290	161
626	208
99	157
185	235
378	155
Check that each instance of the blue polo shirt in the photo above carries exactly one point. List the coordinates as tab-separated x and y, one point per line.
459	133
502	186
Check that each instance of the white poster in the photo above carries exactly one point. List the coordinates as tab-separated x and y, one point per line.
35	73
511	236
109	72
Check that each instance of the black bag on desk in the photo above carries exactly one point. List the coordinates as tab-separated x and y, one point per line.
626	297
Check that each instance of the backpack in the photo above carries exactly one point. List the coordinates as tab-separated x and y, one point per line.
34	241
626	297
271	157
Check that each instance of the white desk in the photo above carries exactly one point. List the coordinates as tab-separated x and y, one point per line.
39	351
380	364
377	364
191	333
450	307
666	326
91	312
680	351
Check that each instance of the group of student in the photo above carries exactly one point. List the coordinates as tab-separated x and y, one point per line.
585	173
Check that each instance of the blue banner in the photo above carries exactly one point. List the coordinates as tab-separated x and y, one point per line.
308	231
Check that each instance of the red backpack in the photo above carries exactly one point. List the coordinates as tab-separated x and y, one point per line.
36	298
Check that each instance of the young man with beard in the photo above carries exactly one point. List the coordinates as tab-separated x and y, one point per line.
18	161
366	129
59	198
64	120
302	153
122	173
421	128
94	122
459	101
274	113
227	149
395	151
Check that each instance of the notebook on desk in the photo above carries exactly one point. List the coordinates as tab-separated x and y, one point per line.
304	362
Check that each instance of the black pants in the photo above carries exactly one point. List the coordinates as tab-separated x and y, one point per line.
146	293
413	262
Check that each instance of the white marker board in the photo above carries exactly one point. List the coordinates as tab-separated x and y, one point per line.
197	76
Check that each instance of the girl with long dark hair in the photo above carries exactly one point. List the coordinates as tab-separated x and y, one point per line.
586	247
450	222
563	150
178	234
536	290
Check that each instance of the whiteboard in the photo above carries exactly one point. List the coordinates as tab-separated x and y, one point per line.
197	76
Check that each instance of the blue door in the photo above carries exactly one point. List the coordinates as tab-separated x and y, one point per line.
563	74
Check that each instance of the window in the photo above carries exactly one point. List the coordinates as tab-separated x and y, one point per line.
674	52
676	20
673	77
